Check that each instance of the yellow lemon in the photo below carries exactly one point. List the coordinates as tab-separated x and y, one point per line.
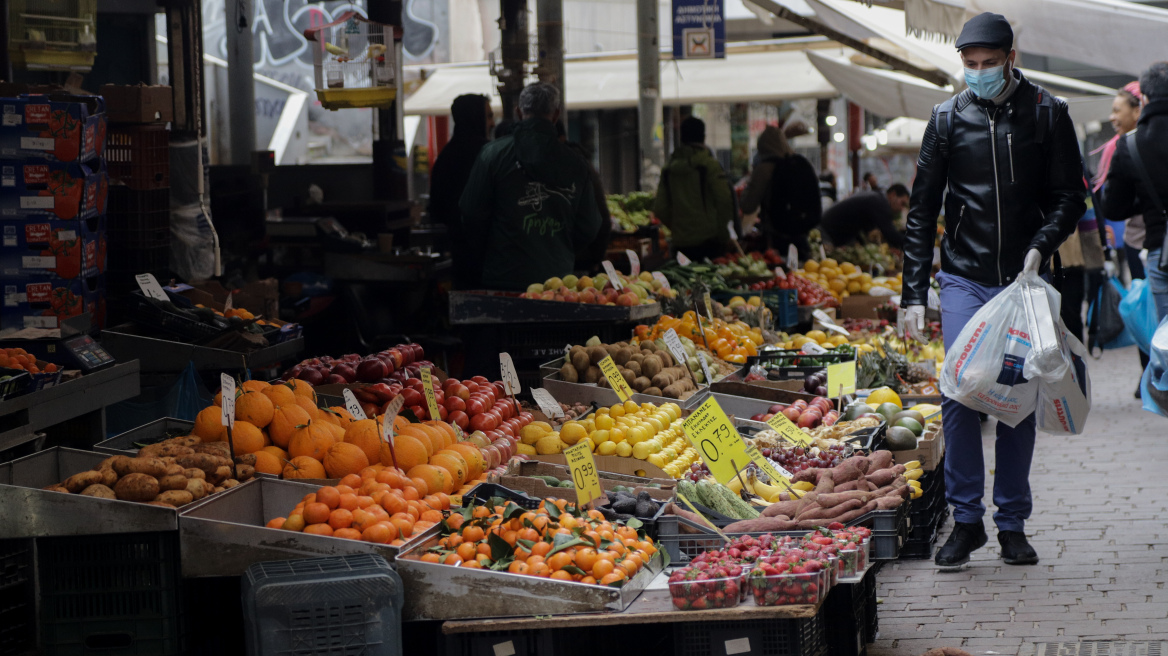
617	410
624	450
531	433
603	422
631	406
572	432
549	445
616	435
606	449
884	395
641	451
599	437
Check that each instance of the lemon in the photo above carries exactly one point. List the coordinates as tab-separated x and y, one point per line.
572	432
617	410
606	449
549	445
656	460
531	433
527	449
599	436
631	407
811	266
590	443
603	422
641	451
624	450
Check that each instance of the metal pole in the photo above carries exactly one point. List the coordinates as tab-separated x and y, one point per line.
550	31
649	129
240	80
390	183
513	26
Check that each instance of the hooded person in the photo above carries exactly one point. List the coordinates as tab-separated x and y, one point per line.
784	191
473	121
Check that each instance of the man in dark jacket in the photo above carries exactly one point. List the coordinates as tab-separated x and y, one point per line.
1126	195
861	213
473	121
784	190
529	203
695	200
1006	152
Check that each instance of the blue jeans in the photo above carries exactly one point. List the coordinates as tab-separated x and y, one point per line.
964	461
1159	282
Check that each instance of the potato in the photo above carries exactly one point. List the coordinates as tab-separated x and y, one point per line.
100	491
176	498
78	482
213	448
216	490
137	486
108	463
568	373
56	488
244	472
194	473
173	482
246	459
150	466
109	477
230	483
219	475
205	461
164	450
186	440
579	359
641	384
198	487
174	470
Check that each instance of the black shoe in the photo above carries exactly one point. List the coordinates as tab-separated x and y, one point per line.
1015	549
965	538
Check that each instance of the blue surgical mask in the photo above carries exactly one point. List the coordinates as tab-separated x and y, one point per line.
986	83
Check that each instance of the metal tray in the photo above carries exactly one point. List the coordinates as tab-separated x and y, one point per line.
444	592
224	534
123	444
164	356
27	511
481	306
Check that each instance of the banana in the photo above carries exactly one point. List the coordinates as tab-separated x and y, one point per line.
804	486
797	494
914	483
916	493
913	474
912	464
768	492
735	485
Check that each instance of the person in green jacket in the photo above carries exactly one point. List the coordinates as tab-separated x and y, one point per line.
695	200
528	203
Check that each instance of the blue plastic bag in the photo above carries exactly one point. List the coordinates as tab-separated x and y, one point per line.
1100	324
1154	384
1138	310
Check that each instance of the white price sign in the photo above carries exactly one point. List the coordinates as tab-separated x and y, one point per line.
673	342
228	304
150	287
683	260
352	406
793	257
705	367
612	275
828	322
546	402
227	402
634	262
509	376
660	277
391	411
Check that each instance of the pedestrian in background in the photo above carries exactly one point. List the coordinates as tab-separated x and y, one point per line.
695	199
784	191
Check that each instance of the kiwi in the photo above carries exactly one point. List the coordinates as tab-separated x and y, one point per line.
596	354
592	374
662	380
651	365
628	376
612	349
637	357
568	373
641	384
622	356
653	391
648	346
580	359
634	366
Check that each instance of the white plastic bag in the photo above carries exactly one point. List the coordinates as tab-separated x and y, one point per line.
1048	359
984	367
1063	405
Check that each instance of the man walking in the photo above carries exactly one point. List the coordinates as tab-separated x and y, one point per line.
695	200
1005	150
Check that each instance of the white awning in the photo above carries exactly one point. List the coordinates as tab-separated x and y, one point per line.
770	76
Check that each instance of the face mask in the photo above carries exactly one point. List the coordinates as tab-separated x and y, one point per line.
986	83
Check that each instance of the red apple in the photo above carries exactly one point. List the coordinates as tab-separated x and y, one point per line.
459	418
454	404
412	396
483	422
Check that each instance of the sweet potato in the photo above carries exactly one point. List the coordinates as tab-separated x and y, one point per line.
100	491
674	509
826	483
859	462
899	469
879	460
853	515
172	482
78	482
787	508
882	477
137	486
845	471
761	525
176	498
832	500
56	488
821	513
847	487
890	502
150	466
809	475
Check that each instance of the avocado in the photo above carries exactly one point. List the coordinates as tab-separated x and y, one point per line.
900	439
911	424
911	414
856	409
889	410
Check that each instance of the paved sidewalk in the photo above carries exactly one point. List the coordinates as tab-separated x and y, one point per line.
1099	525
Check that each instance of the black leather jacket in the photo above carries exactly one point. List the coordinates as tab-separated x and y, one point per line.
1125	194
1007	192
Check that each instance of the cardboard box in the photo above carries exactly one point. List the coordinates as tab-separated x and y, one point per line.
53	128
930	448
861	306
53	190
44	303
49	249
138	103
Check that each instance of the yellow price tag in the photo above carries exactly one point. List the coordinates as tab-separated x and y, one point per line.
716	440
709	306
788	430
841	378
775	472
428	390
615	379
584	476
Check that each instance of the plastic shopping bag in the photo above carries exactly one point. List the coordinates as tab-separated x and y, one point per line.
1138	310
1063	405
1154	385
1041	302
983	369
1106	329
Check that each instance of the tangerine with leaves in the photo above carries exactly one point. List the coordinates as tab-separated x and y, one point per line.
285	420
342	459
255	408
312	439
303	467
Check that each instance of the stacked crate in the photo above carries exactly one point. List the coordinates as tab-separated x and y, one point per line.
53	209
138	153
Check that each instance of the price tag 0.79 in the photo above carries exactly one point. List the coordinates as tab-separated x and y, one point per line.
428	391
716	440
227	402
615	379
353	406
788	431
585	478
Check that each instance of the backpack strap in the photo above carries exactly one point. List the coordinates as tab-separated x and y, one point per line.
945	112
1044	115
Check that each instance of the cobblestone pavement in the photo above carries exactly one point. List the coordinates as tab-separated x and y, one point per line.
1100	507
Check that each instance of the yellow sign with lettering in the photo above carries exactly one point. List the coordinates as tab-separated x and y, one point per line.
615	379
716	440
585	478
787	430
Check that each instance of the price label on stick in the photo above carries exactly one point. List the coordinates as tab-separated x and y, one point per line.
546	402
612	275
227	404
615	379
150	287
775	472
841	378
716	440
428	390
709	306
660	277
673	343
228	305
389	417
705	367
634	263
793	257
788	430
509	376
352	406
584	476
683	260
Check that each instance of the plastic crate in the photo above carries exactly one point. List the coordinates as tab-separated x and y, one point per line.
787	637
17	597
111	594
19	383
341	606
783	303
484	492
178	325
138	155
125	201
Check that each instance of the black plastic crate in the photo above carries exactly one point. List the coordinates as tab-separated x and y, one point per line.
787	637
845	613
484	492
918	549
133	239
138	155
184	327
123	200
19	381
111	594
17	597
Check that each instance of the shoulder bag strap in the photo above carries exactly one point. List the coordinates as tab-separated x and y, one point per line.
1149	188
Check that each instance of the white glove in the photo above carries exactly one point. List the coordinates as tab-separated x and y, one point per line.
914	323
1033	261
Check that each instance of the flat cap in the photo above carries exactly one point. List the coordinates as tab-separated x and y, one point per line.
987	30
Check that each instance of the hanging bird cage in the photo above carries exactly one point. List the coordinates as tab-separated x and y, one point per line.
354	61
55	35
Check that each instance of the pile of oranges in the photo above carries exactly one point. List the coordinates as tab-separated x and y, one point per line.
556	541
380	505
730	341
18	358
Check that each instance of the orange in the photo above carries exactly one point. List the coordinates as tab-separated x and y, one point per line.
302	388
319	529
352	481
312	440
586	558
285	421
518	567
560	560
380	533
452	559
329	496
408	452
209	426
276	451
436	478
430	557
393	503
266	463
434	516
276	523
472	564
365	435
609	579
473	533
340	518
366	501
308	406
342	459
541	548
541	570
279	394
294	523
404	525
630	566
561	575
454	464
466	550
602	568
589	580
255	408
417	432
303	467
316	513
362	519
347	533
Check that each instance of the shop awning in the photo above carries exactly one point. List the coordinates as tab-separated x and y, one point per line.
769	76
